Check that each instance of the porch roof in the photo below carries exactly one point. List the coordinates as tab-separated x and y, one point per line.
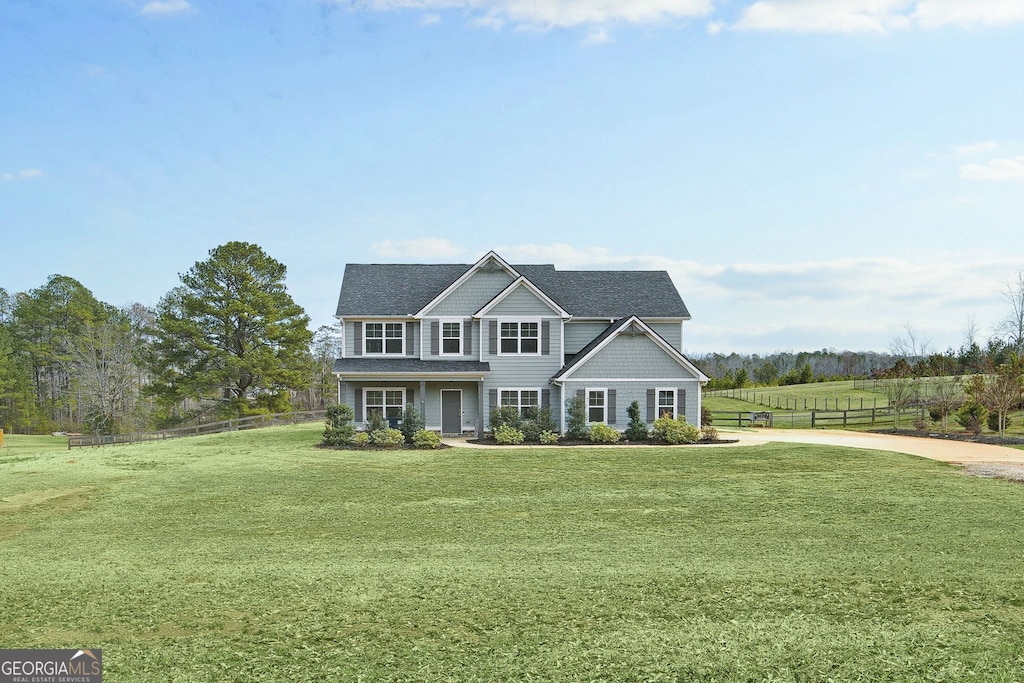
409	368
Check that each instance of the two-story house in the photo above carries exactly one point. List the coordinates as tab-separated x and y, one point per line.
457	340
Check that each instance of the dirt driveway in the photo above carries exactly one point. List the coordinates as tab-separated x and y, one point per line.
977	458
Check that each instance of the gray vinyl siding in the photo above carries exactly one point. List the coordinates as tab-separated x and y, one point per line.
522	302
470	404
522	372
472	295
627	392
670	332
579	334
427	346
631	357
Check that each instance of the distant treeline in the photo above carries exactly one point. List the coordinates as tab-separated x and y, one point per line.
736	370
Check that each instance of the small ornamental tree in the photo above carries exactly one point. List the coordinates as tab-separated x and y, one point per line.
576	419
412	423
637	428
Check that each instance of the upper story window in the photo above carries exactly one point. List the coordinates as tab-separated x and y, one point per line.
384	338
520	337
451	338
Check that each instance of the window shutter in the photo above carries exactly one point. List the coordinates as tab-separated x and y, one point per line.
545	337
492	398
681	402
492	342
467	337
581	394
435	344
358	350
545	398
359	405
611	406
410	335
652	405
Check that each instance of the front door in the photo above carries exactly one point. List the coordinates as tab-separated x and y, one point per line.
451	411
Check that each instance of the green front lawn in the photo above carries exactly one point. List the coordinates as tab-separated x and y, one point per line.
252	556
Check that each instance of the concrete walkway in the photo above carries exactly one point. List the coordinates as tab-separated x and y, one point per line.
936	449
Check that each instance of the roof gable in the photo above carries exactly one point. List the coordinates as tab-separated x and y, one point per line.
489	263
522	283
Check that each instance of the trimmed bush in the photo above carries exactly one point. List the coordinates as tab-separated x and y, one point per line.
675	431
542	422
576	419
706	418
548	438
637	428
708	433
602	433
361	439
426	439
506	416
339	428
412	423
390	438
505	434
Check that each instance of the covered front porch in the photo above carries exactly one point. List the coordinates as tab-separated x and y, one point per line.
449	394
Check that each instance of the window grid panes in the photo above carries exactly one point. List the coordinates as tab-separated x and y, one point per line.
667	403
451	338
520	337
527	400
387	402
384	338
596	406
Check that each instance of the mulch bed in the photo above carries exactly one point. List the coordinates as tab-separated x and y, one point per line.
955	436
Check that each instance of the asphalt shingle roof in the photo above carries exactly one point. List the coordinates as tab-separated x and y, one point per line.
403	289
408	365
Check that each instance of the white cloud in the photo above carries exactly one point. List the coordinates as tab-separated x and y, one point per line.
23	174
165	7
598	36
425	249
996	169
876	16
547	14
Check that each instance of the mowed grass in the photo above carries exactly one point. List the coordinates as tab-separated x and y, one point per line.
253	556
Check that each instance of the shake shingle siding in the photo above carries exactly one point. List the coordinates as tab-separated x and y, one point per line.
520	302
473	294
629	357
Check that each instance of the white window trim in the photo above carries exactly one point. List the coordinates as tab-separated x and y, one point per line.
604	409
440	332
519	337
384	339
366	406
519	398
657	401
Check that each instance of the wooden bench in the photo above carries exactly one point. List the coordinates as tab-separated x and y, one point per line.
760	419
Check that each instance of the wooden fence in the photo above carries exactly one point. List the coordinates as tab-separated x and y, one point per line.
769	400
251	422
856	417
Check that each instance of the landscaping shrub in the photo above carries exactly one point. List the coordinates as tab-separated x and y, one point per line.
705	416
390	438
361	439
412	423
708	433
675	431
339	428
993	422
541	422
375	421
505	434
506	416
637	428
576	419
602	433
972	416
548	437
425	438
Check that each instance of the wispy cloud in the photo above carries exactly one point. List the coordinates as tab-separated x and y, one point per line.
876	16
23	174
165	7
975	148
548	14
598	36
425	249
996	169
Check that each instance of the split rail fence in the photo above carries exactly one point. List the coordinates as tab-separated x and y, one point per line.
234	425
854	417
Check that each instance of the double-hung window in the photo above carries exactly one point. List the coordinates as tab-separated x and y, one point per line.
520	337
597	405
384	339
667	403
527	400
451	338
386	402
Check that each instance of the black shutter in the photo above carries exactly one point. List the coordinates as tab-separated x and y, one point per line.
410	335
358	350
359	404
545	398
492	343
545	337
652	405
467	337
611	406
681	403
435	345
492	397
581	394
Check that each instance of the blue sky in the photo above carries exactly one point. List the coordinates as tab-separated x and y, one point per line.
812	173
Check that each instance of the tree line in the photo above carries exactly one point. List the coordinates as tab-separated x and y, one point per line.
229	341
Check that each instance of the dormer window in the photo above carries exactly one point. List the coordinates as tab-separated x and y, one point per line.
384	339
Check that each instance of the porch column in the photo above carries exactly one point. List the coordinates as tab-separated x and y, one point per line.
480	409
342	391
423	401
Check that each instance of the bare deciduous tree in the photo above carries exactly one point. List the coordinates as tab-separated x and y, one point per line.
1012	326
